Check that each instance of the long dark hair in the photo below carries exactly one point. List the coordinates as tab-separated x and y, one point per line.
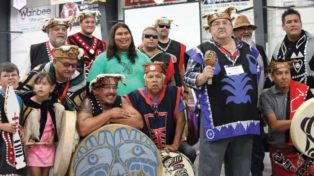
112	48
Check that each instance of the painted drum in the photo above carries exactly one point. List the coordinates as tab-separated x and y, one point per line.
176	164
116	150
66	144
302	128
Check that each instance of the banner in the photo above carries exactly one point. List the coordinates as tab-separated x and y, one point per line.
31	18
147	2
54	2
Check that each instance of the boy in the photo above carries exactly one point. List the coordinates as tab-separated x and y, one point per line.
9	75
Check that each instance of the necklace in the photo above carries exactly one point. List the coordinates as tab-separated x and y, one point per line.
166	48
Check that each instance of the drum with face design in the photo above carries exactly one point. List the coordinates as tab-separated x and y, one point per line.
302	128
116	150
176	164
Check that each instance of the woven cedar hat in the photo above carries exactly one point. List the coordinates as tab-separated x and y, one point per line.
242	21
275	65
105	79
155	66
50	22
220	14
68	52
88	13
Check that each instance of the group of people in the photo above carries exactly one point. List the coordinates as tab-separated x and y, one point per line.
147	87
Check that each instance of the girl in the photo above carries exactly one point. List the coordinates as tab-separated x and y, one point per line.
42	116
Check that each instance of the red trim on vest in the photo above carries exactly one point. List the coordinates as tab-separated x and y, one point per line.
179	93
10	155
181	59
298	93
169	72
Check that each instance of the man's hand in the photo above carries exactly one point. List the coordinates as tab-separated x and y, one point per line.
172	148
119	113
207	73
9	127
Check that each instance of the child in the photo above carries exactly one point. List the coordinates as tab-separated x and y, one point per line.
41	118
9	75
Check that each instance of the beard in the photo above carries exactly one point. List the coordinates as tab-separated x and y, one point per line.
59	42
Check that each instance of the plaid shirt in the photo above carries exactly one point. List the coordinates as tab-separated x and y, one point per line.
193	69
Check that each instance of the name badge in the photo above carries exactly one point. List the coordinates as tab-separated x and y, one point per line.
234	70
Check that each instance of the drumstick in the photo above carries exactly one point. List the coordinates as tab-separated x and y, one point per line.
38	143
210	58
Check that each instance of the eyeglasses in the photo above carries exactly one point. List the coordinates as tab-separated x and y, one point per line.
67	64
162	26
148	36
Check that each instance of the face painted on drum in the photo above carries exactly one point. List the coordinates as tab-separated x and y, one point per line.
124	151
307	126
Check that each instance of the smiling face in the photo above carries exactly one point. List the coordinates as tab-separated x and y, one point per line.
9	79
122	39
292	26
57	35
88	25
65	68
107	94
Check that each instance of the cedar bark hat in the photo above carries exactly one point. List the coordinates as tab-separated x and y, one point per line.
68	51
275	65
105	79
154	66
50	22
220	14
242	21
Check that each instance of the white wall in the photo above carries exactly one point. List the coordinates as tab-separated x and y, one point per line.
186	25
274	24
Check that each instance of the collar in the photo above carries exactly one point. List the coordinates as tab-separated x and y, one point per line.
275	91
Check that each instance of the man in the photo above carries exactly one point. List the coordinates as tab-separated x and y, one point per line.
103	106
84	39
121	57
56	30
279	104
228	105
69	79
298	45
177	49
243	30
163	115
149	47
9	76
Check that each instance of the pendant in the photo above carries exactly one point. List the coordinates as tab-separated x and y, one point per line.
91	51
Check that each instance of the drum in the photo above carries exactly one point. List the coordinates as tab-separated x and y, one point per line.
302	128
176	164
116	150
66	144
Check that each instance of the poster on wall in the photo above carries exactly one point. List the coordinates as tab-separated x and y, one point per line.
244	7
130	3
54	2
31	18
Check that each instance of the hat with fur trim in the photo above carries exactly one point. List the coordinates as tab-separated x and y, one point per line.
220	14
68	52
88	13
50	22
